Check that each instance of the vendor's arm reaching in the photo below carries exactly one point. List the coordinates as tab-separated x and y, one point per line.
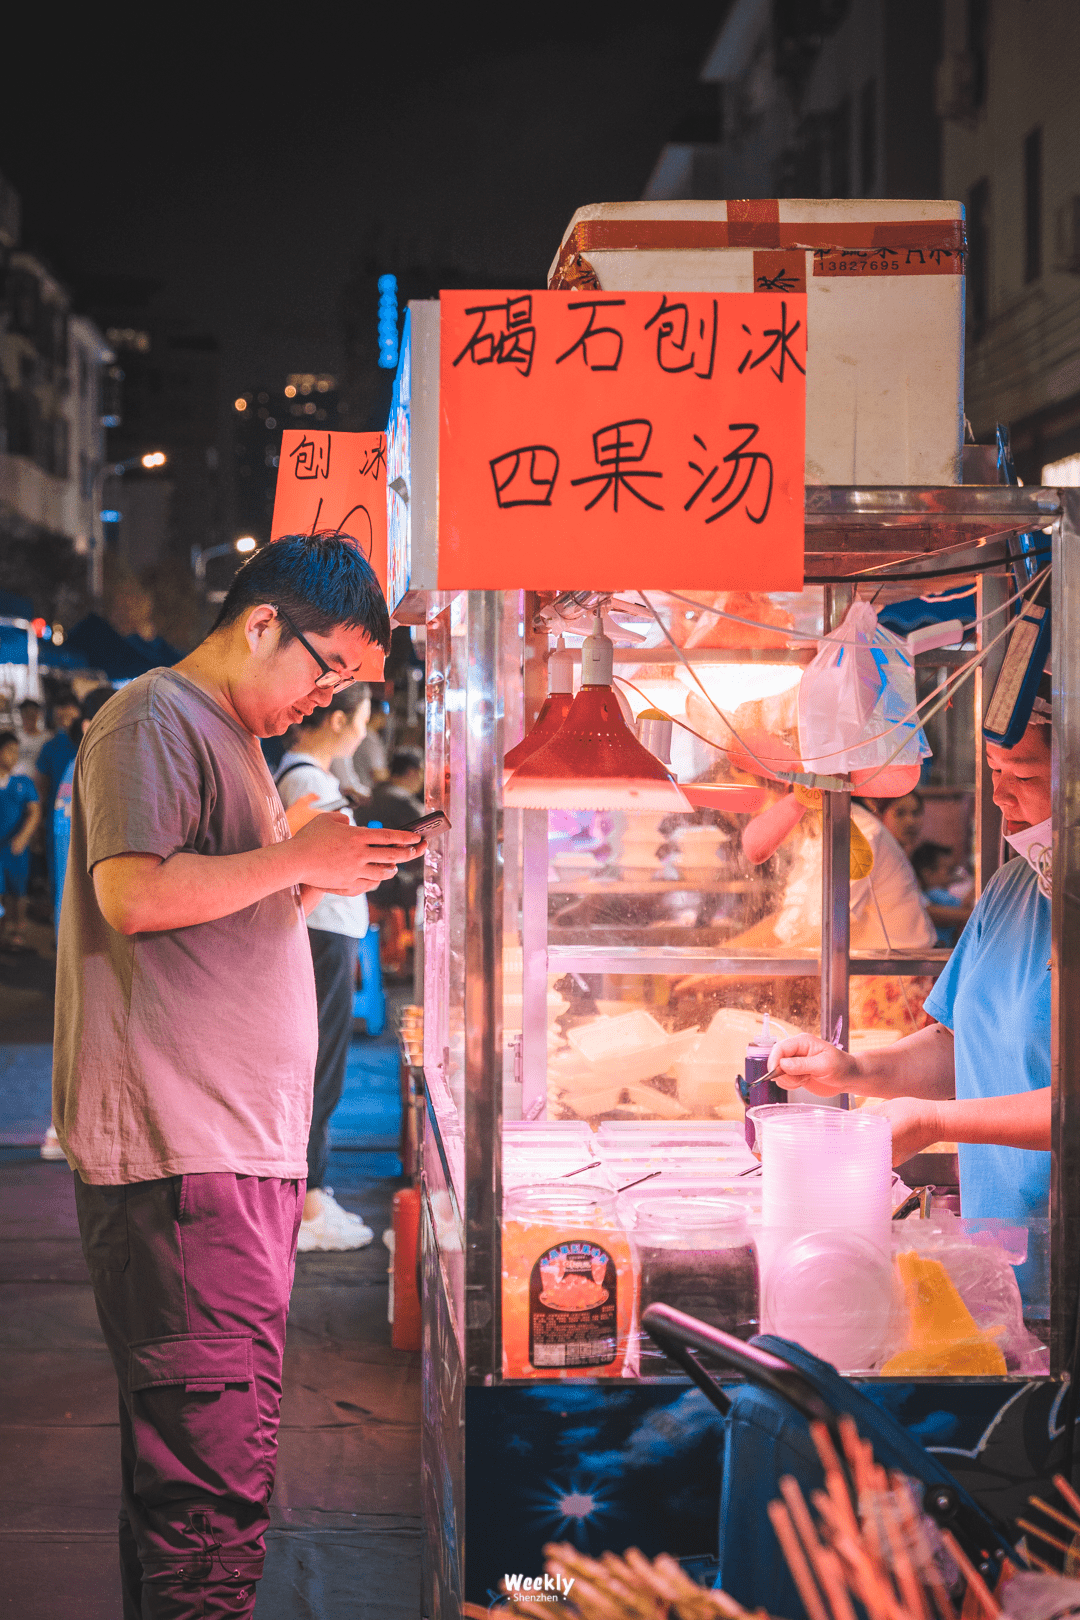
144	894
915	1077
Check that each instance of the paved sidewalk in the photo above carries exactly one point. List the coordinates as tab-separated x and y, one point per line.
345	1541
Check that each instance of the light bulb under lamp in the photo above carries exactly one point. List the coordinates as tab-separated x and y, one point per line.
593	762
731	684
555	709
667	695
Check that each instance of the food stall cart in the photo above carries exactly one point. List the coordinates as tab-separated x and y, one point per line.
541	926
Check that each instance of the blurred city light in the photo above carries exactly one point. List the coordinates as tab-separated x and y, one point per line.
110	515
155	458
246	543
388	323
240	404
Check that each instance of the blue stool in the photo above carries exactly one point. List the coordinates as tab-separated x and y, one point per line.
369	1002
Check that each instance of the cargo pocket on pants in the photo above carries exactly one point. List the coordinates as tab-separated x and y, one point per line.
195	1419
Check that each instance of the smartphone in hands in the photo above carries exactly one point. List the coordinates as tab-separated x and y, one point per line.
429	826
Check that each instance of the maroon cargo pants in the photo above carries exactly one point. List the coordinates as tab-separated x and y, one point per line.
191	1278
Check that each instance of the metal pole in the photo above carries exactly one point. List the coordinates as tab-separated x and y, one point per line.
483	992
1065	957
534	895
835	874
990	592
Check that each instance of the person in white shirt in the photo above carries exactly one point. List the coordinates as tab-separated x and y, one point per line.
335	926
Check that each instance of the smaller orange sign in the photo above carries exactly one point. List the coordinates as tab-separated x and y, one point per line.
336	482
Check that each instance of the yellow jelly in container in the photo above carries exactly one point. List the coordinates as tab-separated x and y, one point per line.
943	1337
567	1283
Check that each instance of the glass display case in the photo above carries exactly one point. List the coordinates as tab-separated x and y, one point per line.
594	978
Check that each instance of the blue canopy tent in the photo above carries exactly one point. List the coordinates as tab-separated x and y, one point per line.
99	646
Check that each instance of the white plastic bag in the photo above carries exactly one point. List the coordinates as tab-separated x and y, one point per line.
855	706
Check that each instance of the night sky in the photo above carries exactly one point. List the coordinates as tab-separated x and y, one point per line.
248	163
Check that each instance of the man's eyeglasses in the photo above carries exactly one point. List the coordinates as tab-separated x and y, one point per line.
330	680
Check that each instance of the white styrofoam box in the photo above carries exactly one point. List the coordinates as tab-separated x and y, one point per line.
885	318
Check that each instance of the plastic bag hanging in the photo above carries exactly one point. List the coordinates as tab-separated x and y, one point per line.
856	707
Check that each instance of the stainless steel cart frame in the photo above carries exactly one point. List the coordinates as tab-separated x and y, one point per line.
483	645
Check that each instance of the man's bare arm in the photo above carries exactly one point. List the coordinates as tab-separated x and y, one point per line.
145	894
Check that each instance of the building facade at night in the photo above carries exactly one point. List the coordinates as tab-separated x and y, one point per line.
1011	154
52	439
965	99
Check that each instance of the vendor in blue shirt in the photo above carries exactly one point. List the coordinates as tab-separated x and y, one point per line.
980	1075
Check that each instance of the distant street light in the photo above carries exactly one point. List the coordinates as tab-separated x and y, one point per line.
200	556
108	513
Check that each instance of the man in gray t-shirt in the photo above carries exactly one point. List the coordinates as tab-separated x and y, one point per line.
184	1054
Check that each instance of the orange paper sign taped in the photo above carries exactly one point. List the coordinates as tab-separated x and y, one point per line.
336	481
607	440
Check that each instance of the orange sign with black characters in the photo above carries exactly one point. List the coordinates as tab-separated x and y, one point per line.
335	482
601	439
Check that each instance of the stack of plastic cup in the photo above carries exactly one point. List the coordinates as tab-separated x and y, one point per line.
825	1210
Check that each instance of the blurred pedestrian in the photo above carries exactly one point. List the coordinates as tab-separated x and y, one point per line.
20	816
61	820
395	803
33	736
369	762
335	928
52	761
935	869
185	1049
902	817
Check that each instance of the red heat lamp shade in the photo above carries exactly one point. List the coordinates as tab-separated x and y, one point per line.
594	762
556	707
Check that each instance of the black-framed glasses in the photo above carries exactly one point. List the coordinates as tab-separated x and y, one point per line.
330	680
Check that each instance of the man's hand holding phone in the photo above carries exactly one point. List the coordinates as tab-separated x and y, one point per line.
341	859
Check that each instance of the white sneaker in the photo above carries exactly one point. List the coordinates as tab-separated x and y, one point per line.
50	1147
332	1228
339	1209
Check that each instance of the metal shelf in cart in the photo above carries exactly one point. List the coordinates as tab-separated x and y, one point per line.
485	683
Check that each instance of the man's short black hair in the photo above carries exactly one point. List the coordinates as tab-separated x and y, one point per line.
321	580
8	737
404	761
29	703
926	857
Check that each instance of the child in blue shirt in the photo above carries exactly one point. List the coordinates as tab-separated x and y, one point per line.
20	813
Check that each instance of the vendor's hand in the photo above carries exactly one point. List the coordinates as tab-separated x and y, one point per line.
342	859
18	845
807	1061
915	1124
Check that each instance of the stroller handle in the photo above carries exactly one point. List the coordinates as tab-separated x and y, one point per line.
679	1335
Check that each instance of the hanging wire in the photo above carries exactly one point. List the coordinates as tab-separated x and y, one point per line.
803	635
948	689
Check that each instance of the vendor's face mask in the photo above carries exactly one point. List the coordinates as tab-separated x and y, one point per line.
1036	845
